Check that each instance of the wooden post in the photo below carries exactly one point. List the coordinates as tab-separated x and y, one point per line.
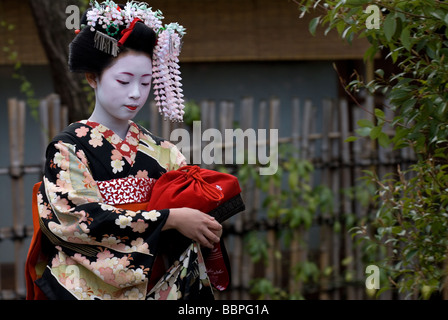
16	112
226	116
208	119
44	132
346	183
293	285
154	120
325	228
274	268
247	111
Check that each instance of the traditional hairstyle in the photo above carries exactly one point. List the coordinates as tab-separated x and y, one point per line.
107	29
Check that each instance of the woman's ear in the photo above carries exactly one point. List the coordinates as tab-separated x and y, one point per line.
91	79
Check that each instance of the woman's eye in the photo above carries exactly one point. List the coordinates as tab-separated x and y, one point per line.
122	82
145	84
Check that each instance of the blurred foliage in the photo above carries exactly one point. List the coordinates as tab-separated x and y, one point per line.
410	223
410	228
192	112
25	85
291	203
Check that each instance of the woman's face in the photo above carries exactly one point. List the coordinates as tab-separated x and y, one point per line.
123	88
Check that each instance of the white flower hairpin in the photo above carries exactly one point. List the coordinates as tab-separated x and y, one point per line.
166	73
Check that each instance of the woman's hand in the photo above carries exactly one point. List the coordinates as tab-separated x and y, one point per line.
196	225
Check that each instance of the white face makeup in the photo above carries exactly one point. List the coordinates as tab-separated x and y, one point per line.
122	90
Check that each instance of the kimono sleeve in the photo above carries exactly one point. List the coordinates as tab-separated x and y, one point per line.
177	159
72	210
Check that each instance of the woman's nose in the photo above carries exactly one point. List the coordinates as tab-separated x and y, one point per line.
135	92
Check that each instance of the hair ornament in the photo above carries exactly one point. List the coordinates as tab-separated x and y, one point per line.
106	18
105	43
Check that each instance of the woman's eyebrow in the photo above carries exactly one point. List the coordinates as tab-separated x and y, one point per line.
131	74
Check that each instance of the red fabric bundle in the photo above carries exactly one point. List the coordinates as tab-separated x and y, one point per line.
197	188
209	191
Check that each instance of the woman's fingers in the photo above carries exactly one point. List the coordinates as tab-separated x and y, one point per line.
203	241
212	236
209	235
213	224
195	225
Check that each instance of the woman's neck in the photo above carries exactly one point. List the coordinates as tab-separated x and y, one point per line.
120	127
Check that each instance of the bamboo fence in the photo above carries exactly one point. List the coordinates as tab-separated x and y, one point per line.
52	118
317	134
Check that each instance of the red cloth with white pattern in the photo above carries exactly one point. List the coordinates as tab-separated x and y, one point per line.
126	190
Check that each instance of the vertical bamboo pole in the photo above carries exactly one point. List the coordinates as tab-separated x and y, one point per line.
64	117
346	183
166	129
154	120
223	114
373	153
359	153
208	122
55	113
44	132
16	111
238	245
255	215
247	111
325	229
307	117
305	153
294	287
207	113
336	182
273	270
364	152
227	115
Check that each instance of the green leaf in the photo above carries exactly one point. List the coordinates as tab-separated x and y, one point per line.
399	95
383	140
365	123
380	73
340	25
379	113
356	3
313	25
375	133
411	253
363	132
390	25
405	38
370	53
293	180
351	139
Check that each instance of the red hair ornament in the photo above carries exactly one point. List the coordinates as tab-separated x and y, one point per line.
127	32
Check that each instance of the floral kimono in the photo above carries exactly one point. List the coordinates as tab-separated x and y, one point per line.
99	246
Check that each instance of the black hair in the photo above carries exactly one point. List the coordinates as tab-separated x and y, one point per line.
84	57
